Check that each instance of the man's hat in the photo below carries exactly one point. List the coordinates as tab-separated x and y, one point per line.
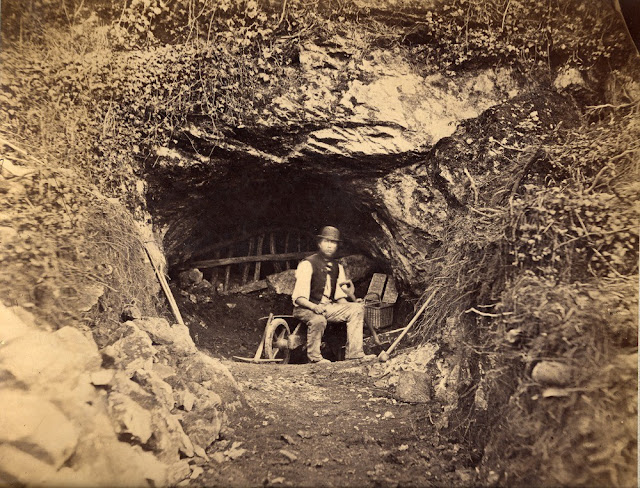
330	233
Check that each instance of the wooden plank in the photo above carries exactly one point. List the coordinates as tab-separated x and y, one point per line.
245	268
227	271
390	291
256	272
212	263
272	248
377	284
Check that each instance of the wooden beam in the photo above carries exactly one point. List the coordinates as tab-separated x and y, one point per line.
212	263
227	271
245	268
272	249
256	273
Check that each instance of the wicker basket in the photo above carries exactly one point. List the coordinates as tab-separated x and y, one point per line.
377	313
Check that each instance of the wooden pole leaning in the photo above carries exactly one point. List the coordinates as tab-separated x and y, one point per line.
384	355
165	287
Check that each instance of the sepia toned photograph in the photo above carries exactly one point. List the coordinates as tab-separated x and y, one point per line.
319	243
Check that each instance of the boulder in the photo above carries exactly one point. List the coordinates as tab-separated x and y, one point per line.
176	336
131	420
153	384
552	373
282	283
81	346
114	463
185	399
102	377
413	387
18	468
47	361
122	384
178	471
203	426
164	371
211	374
204	398
169	438
88	297
133	351
190	277
37	426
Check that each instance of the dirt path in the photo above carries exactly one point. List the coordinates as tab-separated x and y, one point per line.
337	429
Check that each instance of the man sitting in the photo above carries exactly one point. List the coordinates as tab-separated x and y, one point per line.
323	294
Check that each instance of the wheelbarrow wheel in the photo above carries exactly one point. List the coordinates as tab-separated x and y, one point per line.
276	340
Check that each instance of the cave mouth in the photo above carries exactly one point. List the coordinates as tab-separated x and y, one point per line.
217	225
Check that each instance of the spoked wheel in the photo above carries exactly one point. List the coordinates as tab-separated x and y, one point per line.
276	340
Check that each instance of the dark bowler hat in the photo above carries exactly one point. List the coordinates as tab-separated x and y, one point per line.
330	233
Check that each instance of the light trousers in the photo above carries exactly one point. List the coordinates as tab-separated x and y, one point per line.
350	312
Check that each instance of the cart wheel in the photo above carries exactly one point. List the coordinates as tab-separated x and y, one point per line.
276	344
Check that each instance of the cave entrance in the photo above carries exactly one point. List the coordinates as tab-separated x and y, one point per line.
231	226
245	228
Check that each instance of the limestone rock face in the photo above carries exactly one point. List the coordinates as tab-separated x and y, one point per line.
69	422
350	117
153	384
37	426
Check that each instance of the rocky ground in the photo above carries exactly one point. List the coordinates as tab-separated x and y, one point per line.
343	424
310	425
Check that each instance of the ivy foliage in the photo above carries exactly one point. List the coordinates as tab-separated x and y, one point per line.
112	78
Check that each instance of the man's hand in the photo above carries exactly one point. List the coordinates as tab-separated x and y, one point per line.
319	309
349	289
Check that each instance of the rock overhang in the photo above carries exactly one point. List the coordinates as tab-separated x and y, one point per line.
363	126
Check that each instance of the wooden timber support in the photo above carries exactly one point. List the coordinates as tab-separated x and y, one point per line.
272	248
227	271
245	268
212	263
219	246
239	255
256	272
215	271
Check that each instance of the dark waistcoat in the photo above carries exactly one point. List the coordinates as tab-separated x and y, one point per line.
319	277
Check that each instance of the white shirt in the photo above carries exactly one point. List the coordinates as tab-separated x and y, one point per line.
302	288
